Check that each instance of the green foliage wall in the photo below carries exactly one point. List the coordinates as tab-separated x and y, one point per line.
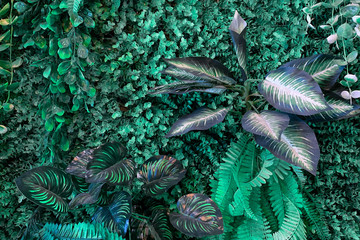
128	44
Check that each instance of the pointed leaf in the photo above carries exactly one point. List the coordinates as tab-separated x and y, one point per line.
47	187
298	145
3	129
238	32
116	215
78	166
201	119
199	216
108	165
159	173
268	123
324	69
87	197
64	67
188	86
293	91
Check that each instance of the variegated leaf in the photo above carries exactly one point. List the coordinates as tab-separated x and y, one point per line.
201	119
293	91
182	87
78	166
268	123
87	197
298	145
238	31
324	69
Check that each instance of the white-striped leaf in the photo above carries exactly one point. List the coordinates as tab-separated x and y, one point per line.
268	123
238	31
201	119
324	69
293	91
298	145
182	87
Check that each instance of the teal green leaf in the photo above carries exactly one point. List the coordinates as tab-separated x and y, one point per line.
78	20
298	145
82	51
64	143
3	47
350	10
293	91
64	53
5	9
20	7
47	187
89	22
198	216
78	166
108	165
268	123
8	107
64	67
159	173
74	5
324	69
3	129
238	33
87	197
47	71
201	119
345	31
64	42
116	215
49	124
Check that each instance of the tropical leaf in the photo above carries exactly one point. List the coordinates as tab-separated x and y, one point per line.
293	91
107	165
79	231
159	173
204	68
116	215
47	187
298	145
324	69
87	197
201	119
251	229
33	226
199	216
238	32
73	6
268	123
78	166
80	184
182	87
265	172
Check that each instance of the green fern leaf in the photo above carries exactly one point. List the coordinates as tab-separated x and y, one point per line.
277	199
264	172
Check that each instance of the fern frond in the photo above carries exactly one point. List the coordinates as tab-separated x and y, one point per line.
300	175
268	213
264	173
290	188
280	168
277	199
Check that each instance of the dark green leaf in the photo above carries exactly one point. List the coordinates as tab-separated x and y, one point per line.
64	53
3	129
87	197
89	22
8	107
78	166
5	9
64	67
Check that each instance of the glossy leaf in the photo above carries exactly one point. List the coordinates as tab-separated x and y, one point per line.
3	129
268	123
116	215
64	67
108	165
182	87
47	187
298	145
324	69
238	32
159	173
201	119
293	91
80	184
87	197
78	166
198	216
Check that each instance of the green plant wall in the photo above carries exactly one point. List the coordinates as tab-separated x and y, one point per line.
127	46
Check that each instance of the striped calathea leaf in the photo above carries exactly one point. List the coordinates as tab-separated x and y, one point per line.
294	91
298	145
269	124
324	69
116	215
198	216
87	197
159	173
78	166
201	119
47	187
238	32
108	165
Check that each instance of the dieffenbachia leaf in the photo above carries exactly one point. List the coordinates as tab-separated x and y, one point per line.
159	173
293	91
87	197
324	69
340	109
268	123
204	68
201	119
47	187
182	87
78	166
298	145
108	165
116	215
198	216
238	31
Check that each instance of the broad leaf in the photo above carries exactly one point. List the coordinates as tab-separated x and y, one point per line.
293	91
116	215
298	145
268	123
78	166
324	69
205	68
80	184
182	87
159	173
108	165
199	216
47	187
87	197
238	32
201	119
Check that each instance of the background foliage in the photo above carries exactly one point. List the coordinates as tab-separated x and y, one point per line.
127	46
